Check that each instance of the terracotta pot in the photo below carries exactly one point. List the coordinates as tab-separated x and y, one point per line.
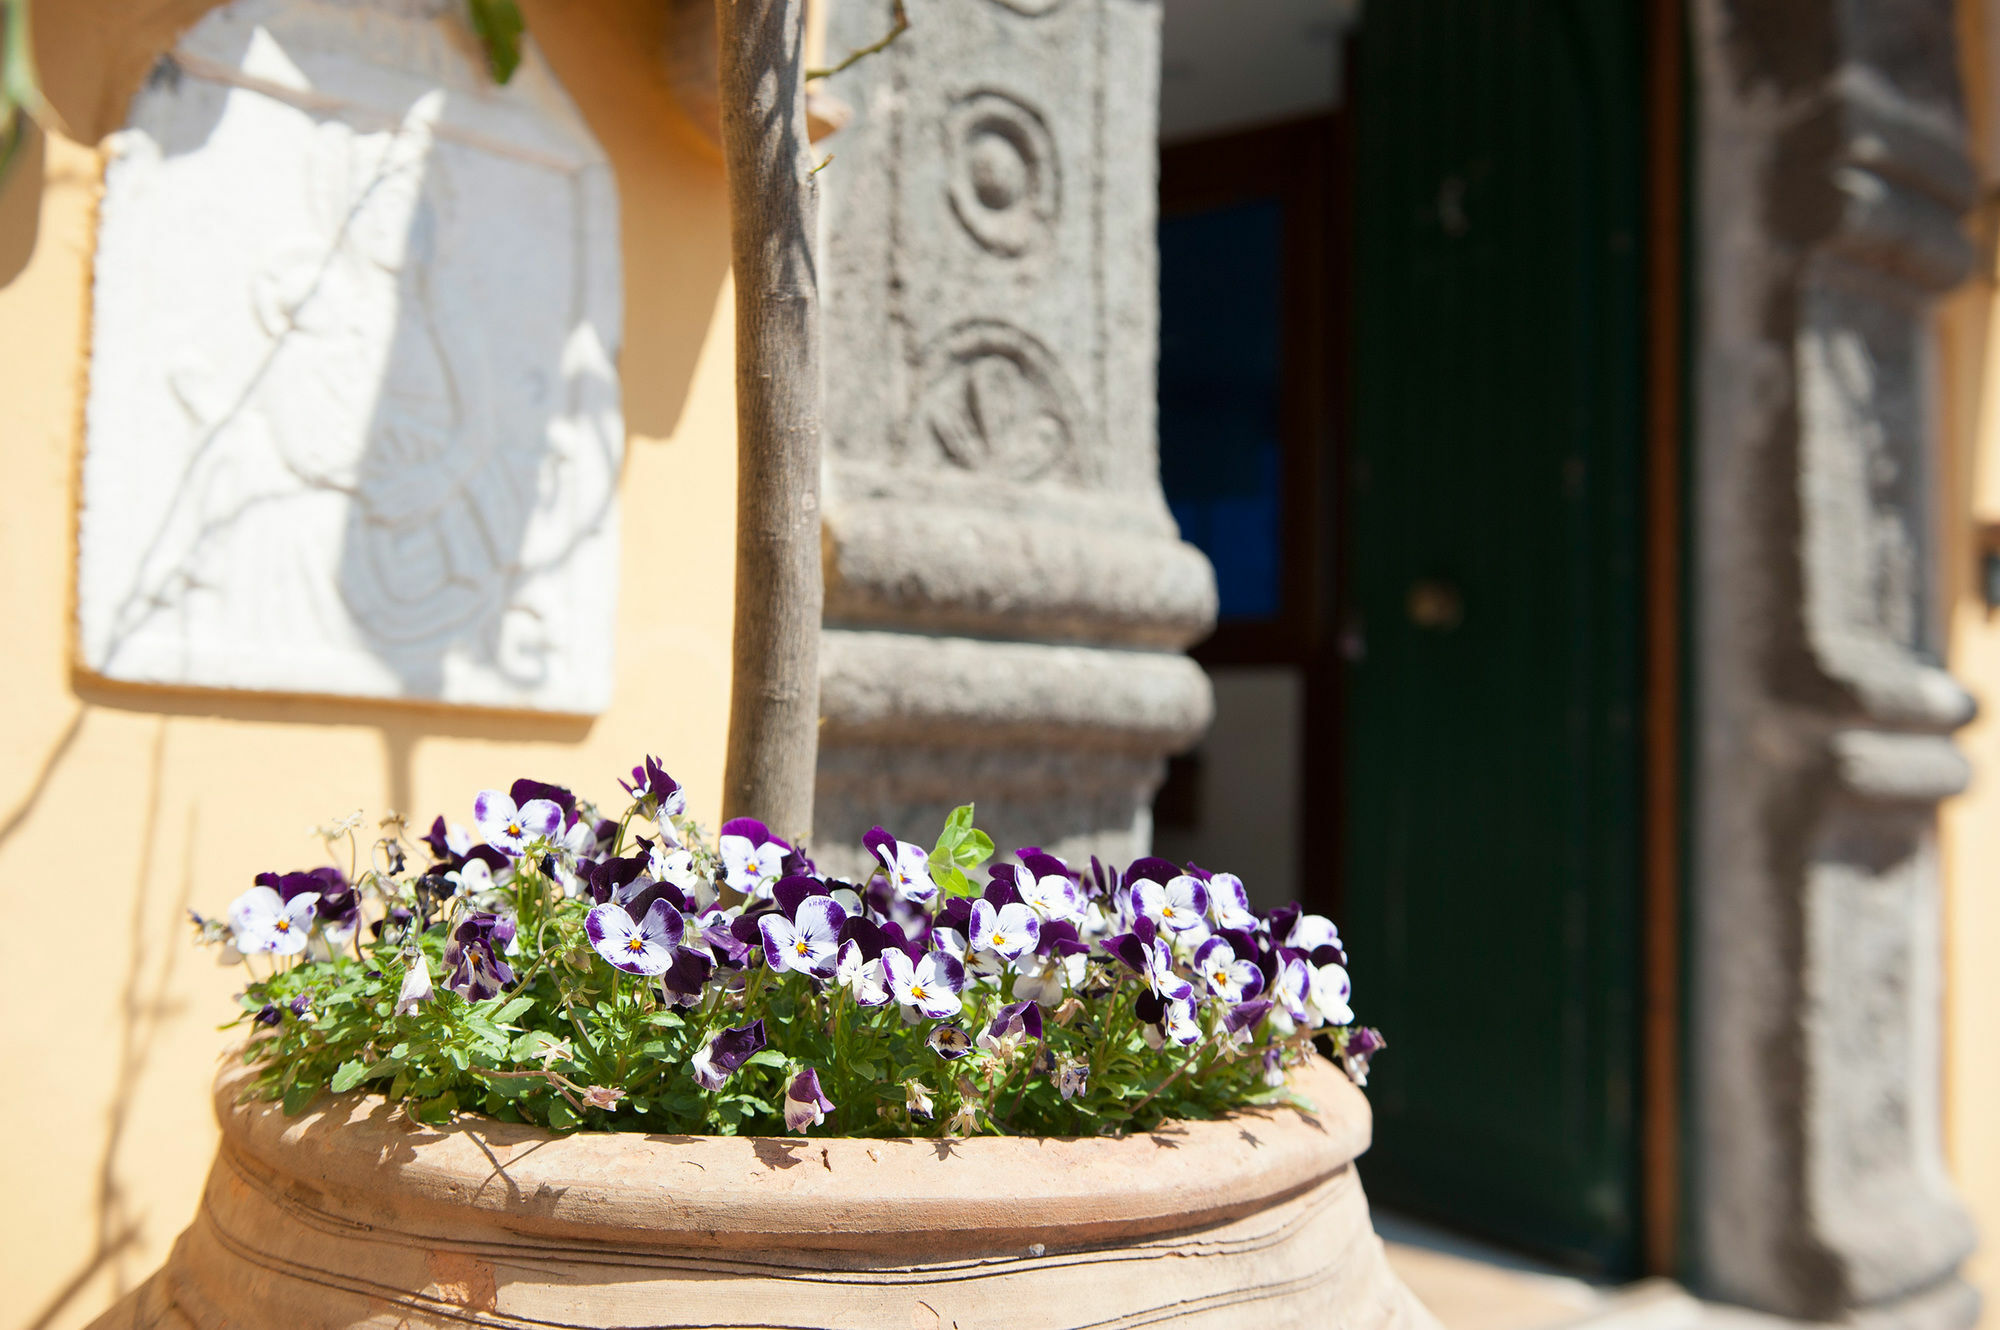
352	1215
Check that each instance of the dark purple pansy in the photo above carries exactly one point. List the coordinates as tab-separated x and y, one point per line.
1015	1019
478	969
956	914
270	1015
685	978
1060	938
1001	891
521	791
653	788
730	950
603	877
637	902
1245	1015
866	934
791	892
750	829
1151	869
1043	864
435	838
806	1105
880	844
714	1061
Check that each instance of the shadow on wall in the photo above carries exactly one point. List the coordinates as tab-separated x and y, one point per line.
145	1001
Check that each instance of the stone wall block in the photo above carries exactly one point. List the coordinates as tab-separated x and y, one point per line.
1832	177
1006	591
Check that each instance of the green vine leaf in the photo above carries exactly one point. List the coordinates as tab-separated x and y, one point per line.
500	27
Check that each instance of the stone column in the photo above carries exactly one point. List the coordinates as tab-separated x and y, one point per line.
1832	176
1007	597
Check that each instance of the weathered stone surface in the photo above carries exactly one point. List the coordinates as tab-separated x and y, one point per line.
1832	177
994	518
354	417
354	1216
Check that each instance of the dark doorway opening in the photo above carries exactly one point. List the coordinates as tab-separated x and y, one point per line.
1403	368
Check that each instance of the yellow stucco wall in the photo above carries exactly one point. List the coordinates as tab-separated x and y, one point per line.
1969	495
120	808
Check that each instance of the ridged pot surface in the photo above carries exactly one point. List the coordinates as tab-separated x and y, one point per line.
352	1215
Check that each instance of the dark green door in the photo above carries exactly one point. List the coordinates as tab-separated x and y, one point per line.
1493	659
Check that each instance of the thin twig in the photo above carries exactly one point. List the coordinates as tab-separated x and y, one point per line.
899	26
1132	1113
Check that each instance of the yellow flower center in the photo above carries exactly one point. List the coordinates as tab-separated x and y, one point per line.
999	940
918	992
804	948
513	828
284	925
635	945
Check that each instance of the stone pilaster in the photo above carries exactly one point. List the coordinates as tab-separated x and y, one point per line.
1831	179
1007	597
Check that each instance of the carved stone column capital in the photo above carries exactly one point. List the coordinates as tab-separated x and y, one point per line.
1007	596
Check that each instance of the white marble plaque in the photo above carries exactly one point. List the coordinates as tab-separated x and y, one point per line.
354	420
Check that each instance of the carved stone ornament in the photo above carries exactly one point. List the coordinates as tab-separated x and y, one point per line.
1005	182
354	421
998	402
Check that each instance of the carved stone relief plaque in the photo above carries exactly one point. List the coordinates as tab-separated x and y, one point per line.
354	421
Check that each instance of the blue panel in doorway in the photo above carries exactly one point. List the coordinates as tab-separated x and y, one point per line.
1220	354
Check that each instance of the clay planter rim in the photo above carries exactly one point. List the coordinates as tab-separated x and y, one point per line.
358	1160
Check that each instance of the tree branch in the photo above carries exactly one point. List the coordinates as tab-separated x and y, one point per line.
899	25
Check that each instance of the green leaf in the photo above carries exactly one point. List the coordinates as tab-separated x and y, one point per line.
767	1057
974	850
499	25
349	1075
950	880
512	1010
298	1098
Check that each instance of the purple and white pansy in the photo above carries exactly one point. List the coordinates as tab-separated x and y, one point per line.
809	941
511	827
865	980
1010	932
637	946
929	987
1229	903
264	921
752	858
1224	975
908	866
1178	905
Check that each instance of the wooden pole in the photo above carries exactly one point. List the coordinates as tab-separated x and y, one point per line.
773	212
